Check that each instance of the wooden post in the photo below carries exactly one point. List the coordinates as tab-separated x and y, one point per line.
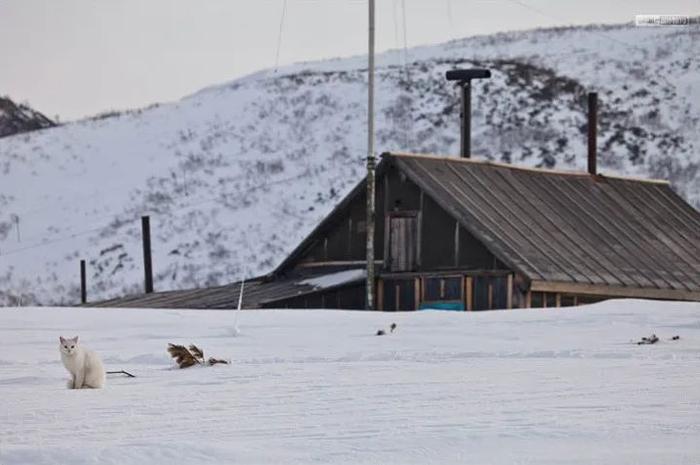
470	293
83	283
147	265
509	298
456	257
416	293
528	300
380	294
419	253
387	242
558	299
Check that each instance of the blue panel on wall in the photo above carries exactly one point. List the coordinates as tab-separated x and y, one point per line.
451	306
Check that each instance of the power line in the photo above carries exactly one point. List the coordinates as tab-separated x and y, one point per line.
450	22
396	30
408	118
53	241
405	40
279	35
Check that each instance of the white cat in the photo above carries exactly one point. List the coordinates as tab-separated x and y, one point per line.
84	365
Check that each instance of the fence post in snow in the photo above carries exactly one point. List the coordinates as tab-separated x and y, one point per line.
83	283
147	268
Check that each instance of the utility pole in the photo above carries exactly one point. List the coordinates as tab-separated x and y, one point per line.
370	164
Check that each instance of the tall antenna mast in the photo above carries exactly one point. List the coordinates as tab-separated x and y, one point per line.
370	164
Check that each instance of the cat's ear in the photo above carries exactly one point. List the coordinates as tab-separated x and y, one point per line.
75	339
62	339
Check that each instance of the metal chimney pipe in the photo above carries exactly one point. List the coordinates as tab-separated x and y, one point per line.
147	268
464	81
592	132
465	145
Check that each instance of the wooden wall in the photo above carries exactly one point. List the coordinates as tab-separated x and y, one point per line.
345	237
444	244
351	297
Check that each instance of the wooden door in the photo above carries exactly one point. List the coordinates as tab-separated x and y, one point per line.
403	242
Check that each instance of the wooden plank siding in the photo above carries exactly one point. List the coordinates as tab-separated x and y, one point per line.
403	240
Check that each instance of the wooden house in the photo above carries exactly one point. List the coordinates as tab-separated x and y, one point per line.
464	234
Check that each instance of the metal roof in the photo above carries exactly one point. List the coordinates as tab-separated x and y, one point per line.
219	297
568	227
256	293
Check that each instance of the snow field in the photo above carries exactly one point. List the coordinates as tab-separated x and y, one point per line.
528	386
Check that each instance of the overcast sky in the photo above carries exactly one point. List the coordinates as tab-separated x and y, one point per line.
75	58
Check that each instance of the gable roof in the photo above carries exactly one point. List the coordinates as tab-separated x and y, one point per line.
568	227
561	227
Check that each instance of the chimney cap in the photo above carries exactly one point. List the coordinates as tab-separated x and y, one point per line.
467	74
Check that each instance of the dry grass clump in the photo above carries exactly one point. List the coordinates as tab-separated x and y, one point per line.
187	357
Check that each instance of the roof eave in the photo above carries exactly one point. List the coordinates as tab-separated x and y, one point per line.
522	168
613	291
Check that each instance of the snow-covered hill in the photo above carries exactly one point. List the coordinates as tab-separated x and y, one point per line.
545	386
236	174
16	119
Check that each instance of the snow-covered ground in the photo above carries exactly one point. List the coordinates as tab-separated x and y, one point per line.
528	386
